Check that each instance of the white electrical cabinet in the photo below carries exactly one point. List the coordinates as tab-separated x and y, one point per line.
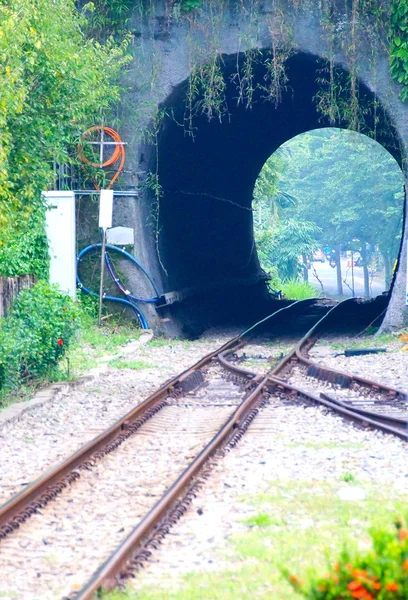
60	226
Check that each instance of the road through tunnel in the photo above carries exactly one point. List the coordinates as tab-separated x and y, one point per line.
207	170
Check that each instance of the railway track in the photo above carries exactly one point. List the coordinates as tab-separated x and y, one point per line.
366	401
121	466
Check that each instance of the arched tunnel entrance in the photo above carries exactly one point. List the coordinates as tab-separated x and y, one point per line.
207	175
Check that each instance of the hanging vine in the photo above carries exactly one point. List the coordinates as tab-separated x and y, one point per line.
399	45
357	31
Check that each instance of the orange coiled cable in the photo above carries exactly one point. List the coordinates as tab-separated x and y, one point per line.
118	153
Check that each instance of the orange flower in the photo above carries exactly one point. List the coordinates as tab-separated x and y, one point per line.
336	567
403	533
358	591
377	585
405	565
294	580
335	578
354	585
392	587
359	574
362	594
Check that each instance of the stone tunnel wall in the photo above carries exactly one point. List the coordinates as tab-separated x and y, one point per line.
198	240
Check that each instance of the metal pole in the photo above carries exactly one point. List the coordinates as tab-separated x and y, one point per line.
102	274
352	273
101	148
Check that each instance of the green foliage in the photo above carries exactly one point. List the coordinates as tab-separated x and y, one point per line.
399	45
23	246
54	83
135	365
107	17
35	335
376	574
298	290
290	239
187	6
259	520
280	242
269	201
353	192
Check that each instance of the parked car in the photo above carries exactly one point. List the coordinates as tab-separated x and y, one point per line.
319	256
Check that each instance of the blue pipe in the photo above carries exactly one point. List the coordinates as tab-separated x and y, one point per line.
139	314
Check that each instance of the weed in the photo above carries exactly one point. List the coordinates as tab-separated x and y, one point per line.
260	520
161	342
314	524
298	290
135	365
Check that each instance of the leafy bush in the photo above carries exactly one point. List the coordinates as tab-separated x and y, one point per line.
378	574
298	290
55	83
35	334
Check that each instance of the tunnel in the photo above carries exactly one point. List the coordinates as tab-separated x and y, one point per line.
205	240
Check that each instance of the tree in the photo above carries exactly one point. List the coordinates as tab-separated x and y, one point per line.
54	83
351	188
281	243
291	240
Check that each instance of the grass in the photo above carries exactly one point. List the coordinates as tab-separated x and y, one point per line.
298	290
161	342
260	520
94	342
91	344
136	365
298	525
368	341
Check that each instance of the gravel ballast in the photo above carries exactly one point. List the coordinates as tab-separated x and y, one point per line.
287	442
284	444
47	434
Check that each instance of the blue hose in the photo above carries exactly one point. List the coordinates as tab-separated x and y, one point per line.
133	299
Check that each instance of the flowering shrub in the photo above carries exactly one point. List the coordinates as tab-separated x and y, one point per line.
379	574
35	334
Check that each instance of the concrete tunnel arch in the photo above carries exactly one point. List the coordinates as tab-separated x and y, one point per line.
206	240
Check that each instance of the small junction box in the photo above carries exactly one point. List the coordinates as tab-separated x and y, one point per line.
60	228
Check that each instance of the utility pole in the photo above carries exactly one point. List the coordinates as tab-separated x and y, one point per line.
105	222
338	271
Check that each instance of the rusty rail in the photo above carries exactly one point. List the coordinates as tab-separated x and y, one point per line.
122	560
47	487
299	356
136	547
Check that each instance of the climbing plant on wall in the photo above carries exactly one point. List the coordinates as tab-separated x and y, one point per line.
356	28
53	83
354	32
399	45
61	65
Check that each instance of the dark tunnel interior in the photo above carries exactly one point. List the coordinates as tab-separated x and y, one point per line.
206	240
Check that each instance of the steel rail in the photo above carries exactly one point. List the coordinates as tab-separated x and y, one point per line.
388	423
250	333
170	504
364	412
109	573
335	376
50	484
373	419
123	560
